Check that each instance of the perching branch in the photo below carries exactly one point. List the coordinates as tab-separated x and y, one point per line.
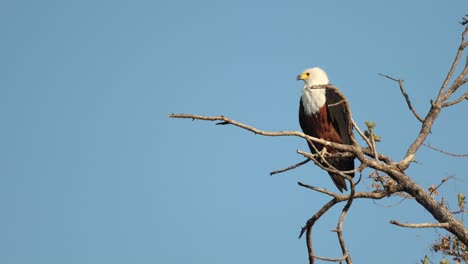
226	120
394	170
329	167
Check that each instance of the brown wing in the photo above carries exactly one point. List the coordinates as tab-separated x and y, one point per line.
312	125
338	116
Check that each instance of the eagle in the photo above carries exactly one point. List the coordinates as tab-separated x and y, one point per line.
322	114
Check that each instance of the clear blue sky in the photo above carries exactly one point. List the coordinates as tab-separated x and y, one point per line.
93	171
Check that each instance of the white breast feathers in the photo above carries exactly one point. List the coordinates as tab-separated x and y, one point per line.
312	100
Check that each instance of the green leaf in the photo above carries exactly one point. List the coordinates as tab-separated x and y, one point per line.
425	260
461	201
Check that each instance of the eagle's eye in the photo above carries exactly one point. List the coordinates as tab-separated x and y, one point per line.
307	74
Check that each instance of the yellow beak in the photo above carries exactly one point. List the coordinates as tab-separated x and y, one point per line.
301	76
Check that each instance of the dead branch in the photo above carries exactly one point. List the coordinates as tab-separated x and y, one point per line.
331	259
310	248
290	167
436	106
226	120
408	101
421	225
440	184
321	190
445	152
328	167
454	63
337	198
318	214
391	205
458	100
339	228
358	195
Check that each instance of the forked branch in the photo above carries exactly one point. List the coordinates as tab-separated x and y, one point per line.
408	101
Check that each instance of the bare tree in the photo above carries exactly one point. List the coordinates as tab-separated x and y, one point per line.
390	178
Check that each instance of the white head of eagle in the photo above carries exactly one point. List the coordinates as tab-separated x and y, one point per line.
322	114
313	99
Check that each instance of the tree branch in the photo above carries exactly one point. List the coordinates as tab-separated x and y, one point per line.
440	184
339	228
456	101
394	170
331	259
408	101
436	105
445	152
256	131
454	63
329	167
310	248
421	225
290	167
321	190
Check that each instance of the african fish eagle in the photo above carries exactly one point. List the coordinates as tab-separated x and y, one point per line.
321	115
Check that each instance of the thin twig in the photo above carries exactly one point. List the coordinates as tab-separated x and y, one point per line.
317	215
337	103
445	152
369	152
290	167
391	205
321	190
328	167
363	136
331	259
408	101
310	248
457	83
458	100
421	225
339	228
440	184
454	63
